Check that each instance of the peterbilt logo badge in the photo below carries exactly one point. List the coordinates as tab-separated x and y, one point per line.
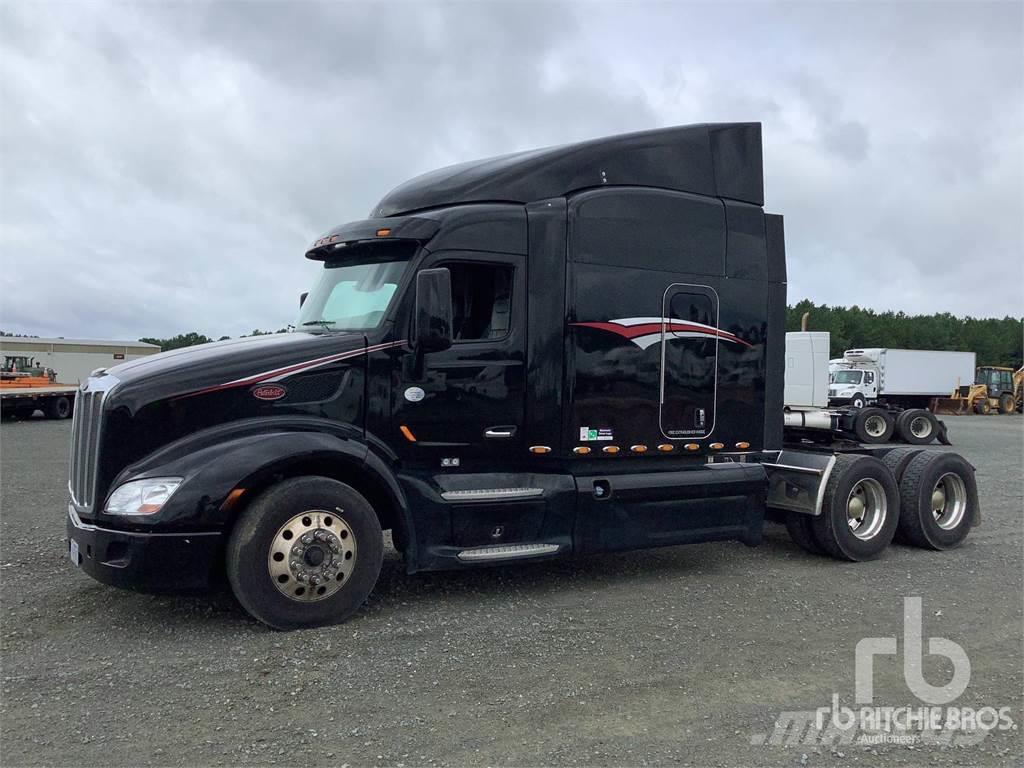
269	392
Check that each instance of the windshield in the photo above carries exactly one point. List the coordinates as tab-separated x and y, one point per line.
351	297
846	377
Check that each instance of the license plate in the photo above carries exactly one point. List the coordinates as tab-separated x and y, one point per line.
74	554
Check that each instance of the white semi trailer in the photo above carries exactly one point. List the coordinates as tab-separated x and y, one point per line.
895	407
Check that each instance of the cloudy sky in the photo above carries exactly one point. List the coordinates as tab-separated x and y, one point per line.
164	165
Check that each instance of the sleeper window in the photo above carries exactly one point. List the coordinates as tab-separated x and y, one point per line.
481	301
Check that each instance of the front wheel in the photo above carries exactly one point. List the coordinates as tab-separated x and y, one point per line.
305	553
1006	403
858	401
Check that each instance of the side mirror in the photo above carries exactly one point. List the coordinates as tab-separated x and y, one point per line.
432	329
302	298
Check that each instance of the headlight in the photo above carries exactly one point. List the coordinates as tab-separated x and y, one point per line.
142	497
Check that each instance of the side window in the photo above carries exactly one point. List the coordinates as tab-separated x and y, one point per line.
869	377
481	301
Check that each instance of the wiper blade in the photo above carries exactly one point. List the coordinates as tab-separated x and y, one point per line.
321	323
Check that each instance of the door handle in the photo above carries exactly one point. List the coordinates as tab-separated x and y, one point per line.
499	433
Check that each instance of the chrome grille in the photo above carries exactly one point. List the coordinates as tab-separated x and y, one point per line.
85	440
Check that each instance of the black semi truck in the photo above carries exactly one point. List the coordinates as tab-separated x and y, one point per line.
558	352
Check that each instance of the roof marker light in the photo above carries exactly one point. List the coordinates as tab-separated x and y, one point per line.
383	232
743	445
540	449
691	446
666	447
717	446
581	449
638	448
611	449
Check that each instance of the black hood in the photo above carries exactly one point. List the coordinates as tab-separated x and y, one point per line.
227	364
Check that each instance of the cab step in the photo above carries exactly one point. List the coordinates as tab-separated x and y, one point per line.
506	552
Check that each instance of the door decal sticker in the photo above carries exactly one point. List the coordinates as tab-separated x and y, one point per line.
647	331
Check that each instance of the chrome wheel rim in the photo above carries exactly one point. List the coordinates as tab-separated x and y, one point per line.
920	426
312	555
875	426
866	508
949	501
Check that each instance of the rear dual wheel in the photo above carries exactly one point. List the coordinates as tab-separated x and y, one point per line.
859	511
917	426
305	553
938	500
874	425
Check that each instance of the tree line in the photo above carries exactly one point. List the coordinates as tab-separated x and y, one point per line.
995	341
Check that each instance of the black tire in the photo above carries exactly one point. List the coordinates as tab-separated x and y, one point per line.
983	407
918	523
917	426
898	459
832	529
57	408
251	539
801	531
873	425
858	401
1006	403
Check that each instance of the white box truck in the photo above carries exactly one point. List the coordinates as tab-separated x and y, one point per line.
904	378
876	396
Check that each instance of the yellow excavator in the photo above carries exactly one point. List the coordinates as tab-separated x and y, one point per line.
995	388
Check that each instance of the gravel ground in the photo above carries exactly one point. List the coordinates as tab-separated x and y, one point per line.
675	656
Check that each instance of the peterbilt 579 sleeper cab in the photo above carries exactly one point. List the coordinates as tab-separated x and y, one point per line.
563	351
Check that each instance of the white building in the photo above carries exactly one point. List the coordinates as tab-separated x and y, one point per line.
74	359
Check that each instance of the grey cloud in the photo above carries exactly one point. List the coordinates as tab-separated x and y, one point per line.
164	165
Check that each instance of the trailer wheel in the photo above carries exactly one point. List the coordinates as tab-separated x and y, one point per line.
873	425
57	408
938	500
1006	403
917	426
801	531
305	553
859	510
982	407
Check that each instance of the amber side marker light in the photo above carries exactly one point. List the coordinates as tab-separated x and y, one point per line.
581	450
638	448
383	232
666	448
233	497
691	446
539	449
743	446
717	446
408	433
